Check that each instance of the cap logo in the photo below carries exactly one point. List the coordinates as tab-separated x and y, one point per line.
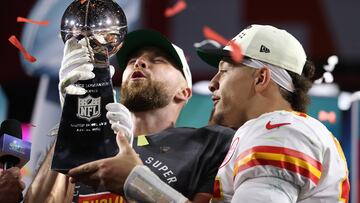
264	49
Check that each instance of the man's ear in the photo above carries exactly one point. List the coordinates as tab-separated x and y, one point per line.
183	94
262	79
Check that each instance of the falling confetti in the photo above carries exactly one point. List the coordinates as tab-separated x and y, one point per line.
18	45
236	53
26	20
210	34
177	8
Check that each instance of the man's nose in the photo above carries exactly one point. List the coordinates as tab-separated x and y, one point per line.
141	63
214	84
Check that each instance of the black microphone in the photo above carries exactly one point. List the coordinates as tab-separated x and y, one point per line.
13	150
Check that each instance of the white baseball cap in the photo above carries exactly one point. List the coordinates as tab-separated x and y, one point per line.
141	38
264	43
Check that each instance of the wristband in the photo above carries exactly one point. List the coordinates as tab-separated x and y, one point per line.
142	185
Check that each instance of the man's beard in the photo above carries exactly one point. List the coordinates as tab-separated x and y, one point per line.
144	95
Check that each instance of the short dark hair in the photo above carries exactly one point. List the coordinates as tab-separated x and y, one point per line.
299	99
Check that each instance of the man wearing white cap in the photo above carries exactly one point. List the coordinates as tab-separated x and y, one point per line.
278	154
155	87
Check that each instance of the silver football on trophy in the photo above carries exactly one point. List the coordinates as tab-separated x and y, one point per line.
102	22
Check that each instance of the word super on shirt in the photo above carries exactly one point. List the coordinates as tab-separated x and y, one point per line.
187	159
290	146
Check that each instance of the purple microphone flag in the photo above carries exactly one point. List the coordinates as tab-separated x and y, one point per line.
10	145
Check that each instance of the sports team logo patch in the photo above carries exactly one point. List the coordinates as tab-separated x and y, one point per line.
88	108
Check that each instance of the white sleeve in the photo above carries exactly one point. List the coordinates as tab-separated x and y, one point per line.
266	189
286	153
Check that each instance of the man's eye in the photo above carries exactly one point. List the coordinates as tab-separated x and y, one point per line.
131	61
159	60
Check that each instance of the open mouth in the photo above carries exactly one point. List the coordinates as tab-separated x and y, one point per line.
137	75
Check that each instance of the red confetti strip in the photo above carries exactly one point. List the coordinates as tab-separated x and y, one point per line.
177	8
236	53
211	34
18	45
26	20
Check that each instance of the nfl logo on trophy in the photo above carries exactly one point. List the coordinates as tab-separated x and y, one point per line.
89	108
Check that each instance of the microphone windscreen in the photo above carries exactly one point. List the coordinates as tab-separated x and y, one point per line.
11	127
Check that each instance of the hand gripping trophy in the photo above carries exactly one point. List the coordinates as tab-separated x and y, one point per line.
84	131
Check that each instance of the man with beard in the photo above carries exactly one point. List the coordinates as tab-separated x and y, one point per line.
278	154
155	87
